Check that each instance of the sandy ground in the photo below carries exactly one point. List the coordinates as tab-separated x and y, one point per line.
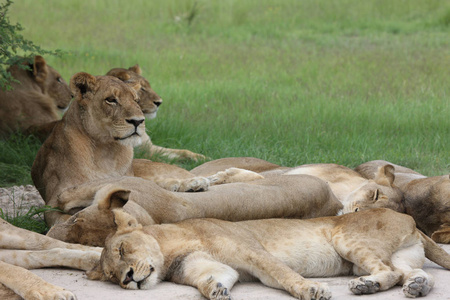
76	281
83	288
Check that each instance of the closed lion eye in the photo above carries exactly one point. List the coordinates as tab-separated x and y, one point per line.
121	251
111	100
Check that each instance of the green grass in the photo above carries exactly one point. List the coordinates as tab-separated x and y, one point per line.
292	82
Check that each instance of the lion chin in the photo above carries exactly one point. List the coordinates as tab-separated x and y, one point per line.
133	140
152	115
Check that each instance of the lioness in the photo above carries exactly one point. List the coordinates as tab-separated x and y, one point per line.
212	255
93	143
427	199
149	102
37	99
351	188
354	191
296	196
21	249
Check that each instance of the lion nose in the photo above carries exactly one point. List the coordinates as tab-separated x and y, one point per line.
135	122
158	102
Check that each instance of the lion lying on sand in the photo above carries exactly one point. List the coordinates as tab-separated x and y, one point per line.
351	188
21	249
296	196
37	99
381	245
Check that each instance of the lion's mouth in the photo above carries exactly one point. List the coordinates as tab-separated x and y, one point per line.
126	137
129	279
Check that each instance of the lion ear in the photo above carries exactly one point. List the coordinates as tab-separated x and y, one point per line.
385	175
122	75
110	197
136	69
125	221
81	83
97	273
40	69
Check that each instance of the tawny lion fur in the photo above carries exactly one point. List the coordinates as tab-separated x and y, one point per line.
380	245
426	199
21	249
36	100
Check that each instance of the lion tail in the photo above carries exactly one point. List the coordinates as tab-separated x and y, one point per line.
435	253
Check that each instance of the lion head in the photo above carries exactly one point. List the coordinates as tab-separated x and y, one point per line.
379	192
38	93
131	258
108	109
148	100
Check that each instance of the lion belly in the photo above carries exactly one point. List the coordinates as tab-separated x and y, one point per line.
304	246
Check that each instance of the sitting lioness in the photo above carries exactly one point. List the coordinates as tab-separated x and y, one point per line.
149	102
93	146
426	199
37	99
382	245
21	249
93	143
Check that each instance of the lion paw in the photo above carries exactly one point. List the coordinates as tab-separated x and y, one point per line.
58	294
196	184
219	293
417	287
363	285
311	290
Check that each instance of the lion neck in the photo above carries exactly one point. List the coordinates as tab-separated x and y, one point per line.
101	158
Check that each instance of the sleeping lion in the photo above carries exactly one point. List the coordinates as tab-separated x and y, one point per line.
380	245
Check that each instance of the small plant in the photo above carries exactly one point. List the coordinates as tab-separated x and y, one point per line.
14	48
31	220
188	16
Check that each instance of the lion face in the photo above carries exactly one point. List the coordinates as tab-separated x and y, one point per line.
131	258
58	89
149	100
374	195
108	109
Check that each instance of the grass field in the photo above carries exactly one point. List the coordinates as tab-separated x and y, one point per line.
292	81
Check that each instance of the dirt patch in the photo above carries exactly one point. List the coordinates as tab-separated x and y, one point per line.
18	200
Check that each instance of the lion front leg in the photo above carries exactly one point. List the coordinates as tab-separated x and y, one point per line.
30	286
172	153
212	278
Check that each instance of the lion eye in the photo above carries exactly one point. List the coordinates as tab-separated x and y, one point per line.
111	100
356	209
59	79
377	193
121	251
142	89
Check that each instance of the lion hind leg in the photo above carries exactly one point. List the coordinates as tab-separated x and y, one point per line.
274	273
234	175
416	282
195	184
212	278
